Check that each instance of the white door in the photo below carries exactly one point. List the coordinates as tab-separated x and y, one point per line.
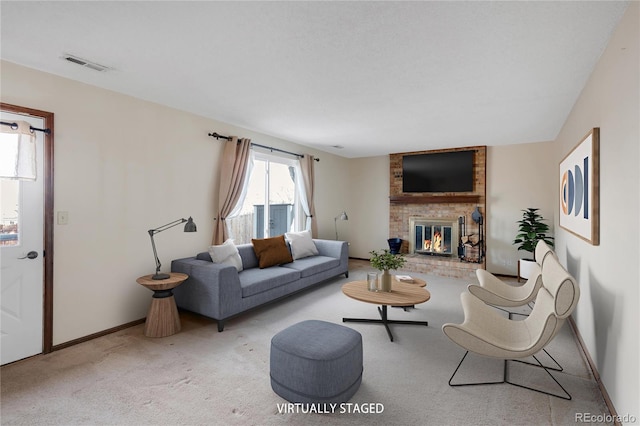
21	275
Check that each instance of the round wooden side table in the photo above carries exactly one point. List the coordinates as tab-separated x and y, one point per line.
162	318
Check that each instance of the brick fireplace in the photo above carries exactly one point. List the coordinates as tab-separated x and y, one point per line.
438	212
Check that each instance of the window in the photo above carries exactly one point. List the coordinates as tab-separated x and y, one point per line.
17	162
271	184
9	212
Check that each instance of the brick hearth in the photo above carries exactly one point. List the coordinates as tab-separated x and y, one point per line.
441	266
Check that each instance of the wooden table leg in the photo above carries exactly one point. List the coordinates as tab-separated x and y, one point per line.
163	318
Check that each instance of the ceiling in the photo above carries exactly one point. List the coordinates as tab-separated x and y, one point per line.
370	77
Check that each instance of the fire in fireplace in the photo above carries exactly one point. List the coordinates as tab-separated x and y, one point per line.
433	236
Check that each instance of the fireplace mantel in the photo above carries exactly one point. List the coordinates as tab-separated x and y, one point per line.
433	199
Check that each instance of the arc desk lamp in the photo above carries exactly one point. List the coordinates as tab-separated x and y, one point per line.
188	227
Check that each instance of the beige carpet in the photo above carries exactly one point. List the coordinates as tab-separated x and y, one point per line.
203	377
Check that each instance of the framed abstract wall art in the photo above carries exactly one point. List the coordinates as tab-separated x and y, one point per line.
580	189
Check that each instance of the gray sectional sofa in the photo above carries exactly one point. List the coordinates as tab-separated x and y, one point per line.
221	292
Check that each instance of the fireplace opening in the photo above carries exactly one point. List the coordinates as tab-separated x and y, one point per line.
433	237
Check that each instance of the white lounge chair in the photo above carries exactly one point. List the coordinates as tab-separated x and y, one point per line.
496	292
487	333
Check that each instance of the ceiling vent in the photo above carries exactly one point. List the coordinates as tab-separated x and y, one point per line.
84	63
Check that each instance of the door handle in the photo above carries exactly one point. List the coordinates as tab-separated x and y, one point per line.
30	255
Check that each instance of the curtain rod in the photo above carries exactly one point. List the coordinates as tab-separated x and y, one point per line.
218	136
14	126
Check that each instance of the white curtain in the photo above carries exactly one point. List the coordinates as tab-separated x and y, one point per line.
17	151
303	196
243	194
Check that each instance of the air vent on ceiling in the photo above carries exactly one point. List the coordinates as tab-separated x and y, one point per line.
85	63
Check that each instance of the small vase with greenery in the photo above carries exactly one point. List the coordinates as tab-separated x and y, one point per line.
531	229
384	261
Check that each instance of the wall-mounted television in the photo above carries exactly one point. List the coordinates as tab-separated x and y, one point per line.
450	171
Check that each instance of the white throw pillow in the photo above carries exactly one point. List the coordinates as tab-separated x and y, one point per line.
301	244
226	254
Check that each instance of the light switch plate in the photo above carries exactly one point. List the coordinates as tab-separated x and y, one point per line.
63	218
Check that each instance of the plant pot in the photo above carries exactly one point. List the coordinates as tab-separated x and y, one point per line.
394	245
385	281
525	268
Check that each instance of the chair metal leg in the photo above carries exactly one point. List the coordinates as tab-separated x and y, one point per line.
502	309
476	383
505	378
567	397
558	368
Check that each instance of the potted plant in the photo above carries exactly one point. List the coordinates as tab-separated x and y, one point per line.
531	229
385	261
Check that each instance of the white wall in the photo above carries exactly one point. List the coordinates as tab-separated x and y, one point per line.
518	177
607	314
332	196
369	205
123	166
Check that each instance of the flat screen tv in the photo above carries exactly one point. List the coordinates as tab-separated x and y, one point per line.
438	172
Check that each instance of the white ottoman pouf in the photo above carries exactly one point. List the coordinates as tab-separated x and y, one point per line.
316	362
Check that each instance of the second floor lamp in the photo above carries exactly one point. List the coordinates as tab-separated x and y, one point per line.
341	216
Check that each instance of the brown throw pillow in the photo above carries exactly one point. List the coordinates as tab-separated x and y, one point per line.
271	251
